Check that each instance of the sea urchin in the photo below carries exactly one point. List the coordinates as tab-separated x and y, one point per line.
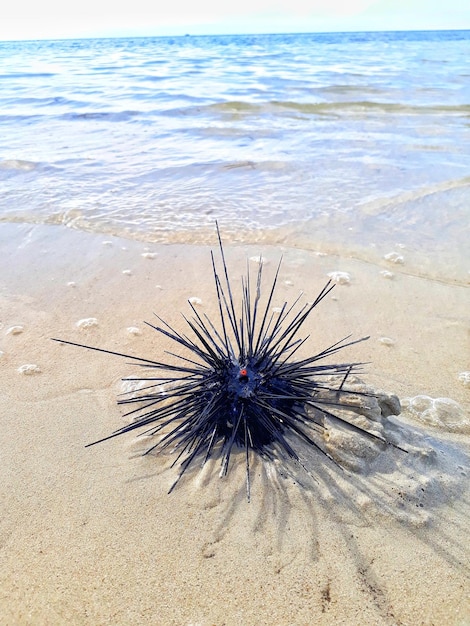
239	387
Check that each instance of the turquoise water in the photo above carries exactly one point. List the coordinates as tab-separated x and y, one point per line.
351	142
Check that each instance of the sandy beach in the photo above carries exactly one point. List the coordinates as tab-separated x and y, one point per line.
90	536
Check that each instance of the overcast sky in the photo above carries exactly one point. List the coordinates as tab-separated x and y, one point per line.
48	19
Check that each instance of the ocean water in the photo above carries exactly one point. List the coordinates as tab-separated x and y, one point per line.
356	143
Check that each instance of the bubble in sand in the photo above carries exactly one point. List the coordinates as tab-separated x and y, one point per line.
133	330
387	341
195	300
28	369
149	255
129	386
394	257
342	278
15	330
440	412
464	378
258	259
87	322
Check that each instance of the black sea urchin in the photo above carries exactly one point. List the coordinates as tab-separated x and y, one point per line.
239	386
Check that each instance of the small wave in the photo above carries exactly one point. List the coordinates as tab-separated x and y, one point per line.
384	206
152	78
353	107
10	119
45	102
112	116
358	106
11	75
350	89
18	165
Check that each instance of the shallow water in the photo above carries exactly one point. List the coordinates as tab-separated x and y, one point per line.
356	143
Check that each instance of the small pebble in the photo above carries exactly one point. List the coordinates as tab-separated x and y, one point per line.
277	309
133	330
289	283
149	255
28	369
387	274
15	330
394	257
195	300
71	284
107	243
87	322
342	278
127	272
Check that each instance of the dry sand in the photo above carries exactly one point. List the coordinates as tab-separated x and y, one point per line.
90	536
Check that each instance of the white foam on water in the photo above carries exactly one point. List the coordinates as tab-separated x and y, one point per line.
394	257
28	369
443	413
341	278
87	322
464	378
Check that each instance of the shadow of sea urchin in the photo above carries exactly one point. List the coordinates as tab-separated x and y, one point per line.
239	385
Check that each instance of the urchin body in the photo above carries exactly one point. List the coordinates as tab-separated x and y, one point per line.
246	403
240	385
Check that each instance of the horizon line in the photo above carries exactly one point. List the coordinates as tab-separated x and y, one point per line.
257	34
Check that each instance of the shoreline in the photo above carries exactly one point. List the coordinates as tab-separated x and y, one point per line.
320	238
91	536
90	273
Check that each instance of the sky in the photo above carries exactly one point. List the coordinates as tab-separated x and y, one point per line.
56	19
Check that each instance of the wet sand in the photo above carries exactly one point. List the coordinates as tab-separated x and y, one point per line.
90	536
